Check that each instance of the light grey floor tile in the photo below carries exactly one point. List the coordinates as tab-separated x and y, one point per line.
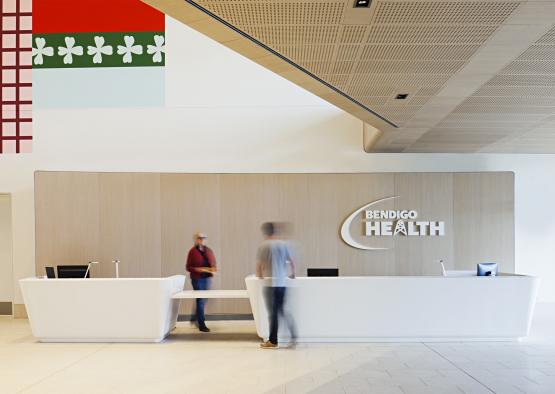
238	366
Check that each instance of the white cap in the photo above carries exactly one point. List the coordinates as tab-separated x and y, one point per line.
200	235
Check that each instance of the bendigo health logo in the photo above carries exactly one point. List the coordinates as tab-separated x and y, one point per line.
376	222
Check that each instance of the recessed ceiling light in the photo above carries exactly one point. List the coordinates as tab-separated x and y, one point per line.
362	3
401	96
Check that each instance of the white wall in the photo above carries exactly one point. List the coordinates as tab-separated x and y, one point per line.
225	114
6	288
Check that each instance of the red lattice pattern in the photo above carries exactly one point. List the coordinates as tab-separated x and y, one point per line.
15	48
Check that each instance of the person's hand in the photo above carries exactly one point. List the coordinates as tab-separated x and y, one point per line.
259	277
292	276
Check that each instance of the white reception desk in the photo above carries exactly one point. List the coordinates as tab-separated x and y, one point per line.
343	309
397	308
102	310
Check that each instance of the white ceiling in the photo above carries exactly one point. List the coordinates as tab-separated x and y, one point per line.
480	74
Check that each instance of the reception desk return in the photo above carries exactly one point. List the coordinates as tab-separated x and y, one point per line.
102	309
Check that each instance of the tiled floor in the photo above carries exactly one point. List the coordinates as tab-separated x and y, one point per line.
228	361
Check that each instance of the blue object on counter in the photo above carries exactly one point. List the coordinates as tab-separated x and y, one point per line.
486	269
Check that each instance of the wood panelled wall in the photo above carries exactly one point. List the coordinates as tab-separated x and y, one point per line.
146	220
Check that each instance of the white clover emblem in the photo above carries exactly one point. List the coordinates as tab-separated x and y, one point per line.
129	49
41	50
99	49
69	50
157	49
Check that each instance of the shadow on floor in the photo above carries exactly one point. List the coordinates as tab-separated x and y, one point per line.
212	336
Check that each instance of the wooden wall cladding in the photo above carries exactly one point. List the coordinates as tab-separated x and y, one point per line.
146	220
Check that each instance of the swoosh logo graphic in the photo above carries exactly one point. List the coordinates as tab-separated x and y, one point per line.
346	234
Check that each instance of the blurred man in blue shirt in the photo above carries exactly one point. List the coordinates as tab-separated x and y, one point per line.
274	259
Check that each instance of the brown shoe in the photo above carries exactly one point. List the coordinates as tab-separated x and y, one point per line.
268	345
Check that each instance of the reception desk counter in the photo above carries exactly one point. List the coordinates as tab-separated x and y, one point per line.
401	308
102	310
343	309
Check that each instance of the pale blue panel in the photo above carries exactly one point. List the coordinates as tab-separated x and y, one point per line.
99	87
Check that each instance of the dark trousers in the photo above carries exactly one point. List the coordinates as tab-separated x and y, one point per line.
275	302
198	315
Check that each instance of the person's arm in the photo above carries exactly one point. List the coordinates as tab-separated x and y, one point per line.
291	262
211	261
260	263
292	274
189	266
259	270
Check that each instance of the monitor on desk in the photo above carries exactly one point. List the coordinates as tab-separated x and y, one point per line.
322	272
72	271
486	269
50	274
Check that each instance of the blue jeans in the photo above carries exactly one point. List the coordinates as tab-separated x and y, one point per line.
275	303
200	284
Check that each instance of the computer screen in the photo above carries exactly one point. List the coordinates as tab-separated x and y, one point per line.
322	272
50	274
72	271
486	269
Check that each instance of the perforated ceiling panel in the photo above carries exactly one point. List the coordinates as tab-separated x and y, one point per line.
403	47
445	12
512	112
480	75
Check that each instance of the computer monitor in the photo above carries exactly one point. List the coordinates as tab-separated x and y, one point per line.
486	269
72	271
322	272
50	274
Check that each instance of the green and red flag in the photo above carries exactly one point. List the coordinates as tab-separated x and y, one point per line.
97	53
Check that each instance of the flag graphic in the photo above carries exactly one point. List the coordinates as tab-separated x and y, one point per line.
97	53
